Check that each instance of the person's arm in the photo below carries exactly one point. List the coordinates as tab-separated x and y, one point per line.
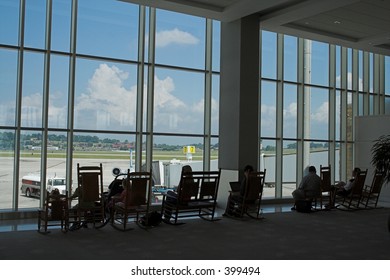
302	184
349	185
75	194
243	185
122	197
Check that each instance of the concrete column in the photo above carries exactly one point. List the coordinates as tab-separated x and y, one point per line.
239	97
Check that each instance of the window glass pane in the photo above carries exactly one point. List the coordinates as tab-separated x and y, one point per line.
318	154
9	22
289	167
180	39
337	168
216	45
338	115
145	102
169	150
371	104
112	150
350	165
360	71
387	105
267	153
107	28
319	63
58	96
34	35
290	111
32	90
105	96
60	35
268	109
387	75
7	155
56	161
178	108
215	106
371	72
147	33
350	117
290	58
268	54
318	113
214	153
29	171
8	70
338	66
349	69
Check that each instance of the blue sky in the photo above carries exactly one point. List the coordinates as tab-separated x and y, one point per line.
110	28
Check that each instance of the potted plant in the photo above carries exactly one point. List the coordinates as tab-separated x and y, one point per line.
381	159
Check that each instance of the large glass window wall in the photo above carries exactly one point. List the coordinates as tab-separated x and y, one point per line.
323	87
134	87
115	83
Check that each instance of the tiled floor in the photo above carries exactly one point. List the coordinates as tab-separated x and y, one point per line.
31	224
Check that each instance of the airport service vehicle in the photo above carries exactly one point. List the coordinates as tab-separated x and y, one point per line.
31	185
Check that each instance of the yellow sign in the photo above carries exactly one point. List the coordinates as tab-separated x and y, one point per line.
189	150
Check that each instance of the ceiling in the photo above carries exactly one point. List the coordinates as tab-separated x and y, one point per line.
359	24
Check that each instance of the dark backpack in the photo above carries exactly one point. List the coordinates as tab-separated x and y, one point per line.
303	206
114	188
151	219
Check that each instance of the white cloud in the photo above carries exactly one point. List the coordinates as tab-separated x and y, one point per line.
349	81
175	36
321	113
172	114
106	102
290	111
32	110
268	118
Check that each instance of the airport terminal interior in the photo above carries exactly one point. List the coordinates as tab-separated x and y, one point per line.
138	85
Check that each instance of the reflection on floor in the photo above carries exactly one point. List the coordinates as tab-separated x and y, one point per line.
31	224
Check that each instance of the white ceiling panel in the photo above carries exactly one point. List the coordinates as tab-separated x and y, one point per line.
360	24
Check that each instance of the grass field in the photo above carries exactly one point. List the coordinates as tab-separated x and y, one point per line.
157	155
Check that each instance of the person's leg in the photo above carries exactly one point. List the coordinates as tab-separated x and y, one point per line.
170	200
298	194
229	206
76	223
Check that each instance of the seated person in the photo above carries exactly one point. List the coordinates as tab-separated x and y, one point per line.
172	196
120	198
114	189
57	204
310	187
83	205
236	196
344	188
78	225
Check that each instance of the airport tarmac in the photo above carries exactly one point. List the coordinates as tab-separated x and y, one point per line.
55	167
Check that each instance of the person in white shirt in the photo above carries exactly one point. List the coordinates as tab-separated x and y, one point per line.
344	188
309	187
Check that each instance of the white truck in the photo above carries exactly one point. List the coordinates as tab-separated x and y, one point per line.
31	185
